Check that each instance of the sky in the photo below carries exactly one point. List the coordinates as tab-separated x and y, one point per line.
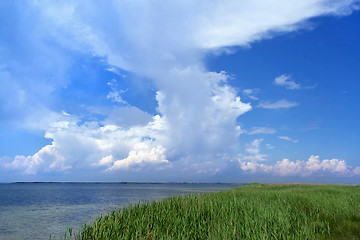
180	91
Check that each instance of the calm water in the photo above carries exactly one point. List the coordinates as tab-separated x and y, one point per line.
38	210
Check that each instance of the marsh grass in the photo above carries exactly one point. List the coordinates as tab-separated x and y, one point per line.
254	211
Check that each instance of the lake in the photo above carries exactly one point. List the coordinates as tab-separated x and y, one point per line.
40	210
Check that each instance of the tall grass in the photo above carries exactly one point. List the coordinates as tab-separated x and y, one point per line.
255	211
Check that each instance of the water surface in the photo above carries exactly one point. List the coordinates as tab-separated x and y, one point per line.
38	210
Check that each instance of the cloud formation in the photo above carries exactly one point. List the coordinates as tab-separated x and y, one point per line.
255	163
311	167
85	146
166	42
140	155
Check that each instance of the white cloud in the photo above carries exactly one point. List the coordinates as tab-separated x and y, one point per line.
149	36
285	80
278	104
105	161
201	111
21	162
334	165
65	113
269	146
356	171
312	167
221	27
162	41
142	155
286	138
255	162
115	96
253	150
260	130
253	147
30	164
250	166
286	167
251	93
86	146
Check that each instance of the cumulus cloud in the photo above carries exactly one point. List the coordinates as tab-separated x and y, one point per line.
105	161
201	114
313	166
162	41
278	104
285	81
255	162
84	146
141	155
30	164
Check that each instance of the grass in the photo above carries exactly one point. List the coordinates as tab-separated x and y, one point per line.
254	211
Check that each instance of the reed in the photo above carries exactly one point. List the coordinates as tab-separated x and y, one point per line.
254	211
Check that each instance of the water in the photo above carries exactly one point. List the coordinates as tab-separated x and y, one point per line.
38	210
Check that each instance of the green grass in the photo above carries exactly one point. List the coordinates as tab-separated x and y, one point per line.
254	211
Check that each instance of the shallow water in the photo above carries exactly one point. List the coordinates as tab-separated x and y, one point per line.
40	210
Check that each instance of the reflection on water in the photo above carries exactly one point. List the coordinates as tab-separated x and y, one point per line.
38	210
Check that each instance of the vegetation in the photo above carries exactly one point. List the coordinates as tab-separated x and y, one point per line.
254	211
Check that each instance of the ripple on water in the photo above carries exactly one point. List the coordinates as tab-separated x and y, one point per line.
37	210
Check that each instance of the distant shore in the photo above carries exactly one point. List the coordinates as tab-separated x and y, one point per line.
73	182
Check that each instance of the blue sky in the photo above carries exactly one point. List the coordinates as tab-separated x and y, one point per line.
236	91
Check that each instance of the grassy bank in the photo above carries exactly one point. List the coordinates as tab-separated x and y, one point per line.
255	211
